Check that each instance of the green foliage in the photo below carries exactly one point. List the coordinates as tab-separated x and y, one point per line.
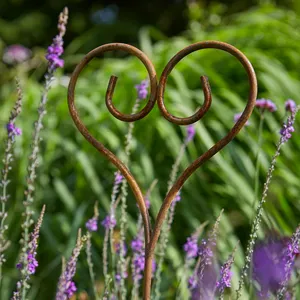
72	175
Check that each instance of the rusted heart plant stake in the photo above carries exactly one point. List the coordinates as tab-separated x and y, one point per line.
157	93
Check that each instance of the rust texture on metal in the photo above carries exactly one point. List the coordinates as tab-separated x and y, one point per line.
157	93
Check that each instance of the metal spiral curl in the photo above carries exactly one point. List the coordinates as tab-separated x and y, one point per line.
157	92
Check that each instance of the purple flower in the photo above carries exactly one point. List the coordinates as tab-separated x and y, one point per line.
12	129
118	178
191	248
192	282
205	252
287	129
142	89
137	245
91	224
139	262
30	257
289	254
71	289
290	105
225	275
266	104
269	266
66	286
118	277
118	248
147	202
109	222
237	117
55	50
204	288
190	133
32	263
16	54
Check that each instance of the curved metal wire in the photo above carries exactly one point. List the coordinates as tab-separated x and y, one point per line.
208	154
151	239
128	118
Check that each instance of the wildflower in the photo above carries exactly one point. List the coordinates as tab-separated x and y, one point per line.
192	282
147	202
55	50
287	129
66	286
118	248
266	104
191	247
259	211
203	289
290	105
118	178
15	54
190	130
225	275
203	281
28	262
118	277
289	255
177	197
268	266
109	222
142	89
70	289
12	129
4	180
91	224
237	116
137	245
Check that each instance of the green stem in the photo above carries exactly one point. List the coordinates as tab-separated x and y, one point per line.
257	158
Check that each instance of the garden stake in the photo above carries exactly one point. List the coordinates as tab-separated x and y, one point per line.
157	92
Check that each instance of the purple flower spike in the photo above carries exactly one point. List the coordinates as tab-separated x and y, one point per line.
287	129
289	256
109	222
190	133
55	50
266	104
91	224
290	105
192	283
118	248
66	285
32	263
71	289
191	248
142	89
269	266
137	245
12	129
237	117
16	54
118	178
225	275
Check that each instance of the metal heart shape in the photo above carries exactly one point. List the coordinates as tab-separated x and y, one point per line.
157	92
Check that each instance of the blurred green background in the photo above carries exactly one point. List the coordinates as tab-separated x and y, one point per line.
72	175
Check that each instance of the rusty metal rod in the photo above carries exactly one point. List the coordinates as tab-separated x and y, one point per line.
128	118
151	238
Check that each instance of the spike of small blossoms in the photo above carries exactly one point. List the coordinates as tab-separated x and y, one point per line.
28	262
290	105
66	285
266	104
